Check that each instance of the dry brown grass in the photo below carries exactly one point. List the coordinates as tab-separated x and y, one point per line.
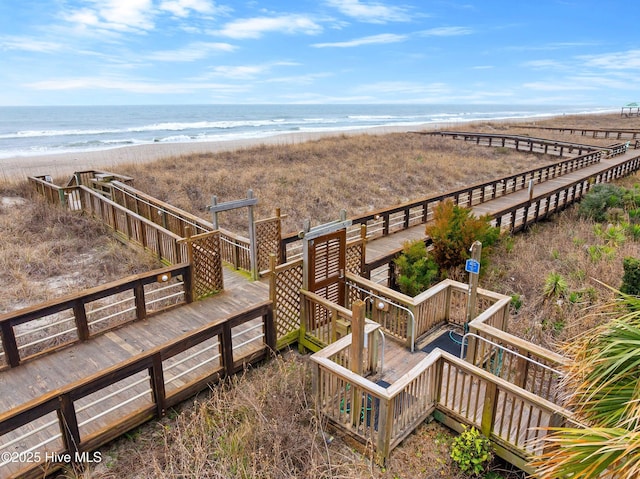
46	252
317	179
521	265
262	425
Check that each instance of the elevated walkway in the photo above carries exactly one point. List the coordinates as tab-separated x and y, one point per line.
77	398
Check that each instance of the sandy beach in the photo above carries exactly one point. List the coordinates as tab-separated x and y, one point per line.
56	165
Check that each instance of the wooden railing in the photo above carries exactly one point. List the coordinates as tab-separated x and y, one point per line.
324	322
454	391
617	134
526	365
147	385
407	318
384	222
67	196
133	227
80	316
518	142
234	248
520	216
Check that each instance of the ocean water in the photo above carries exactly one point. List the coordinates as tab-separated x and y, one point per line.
29	131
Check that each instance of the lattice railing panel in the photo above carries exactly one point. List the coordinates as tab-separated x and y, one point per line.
355	257
286	308
268	233
207	265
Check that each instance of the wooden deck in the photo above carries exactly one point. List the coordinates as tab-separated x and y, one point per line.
97	411
53	371
56	371
382	246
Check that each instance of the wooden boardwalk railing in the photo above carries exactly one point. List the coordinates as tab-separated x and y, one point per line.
82	416
454	391
43	328
165	244
617	134
518	142
234	248
391	220
519	216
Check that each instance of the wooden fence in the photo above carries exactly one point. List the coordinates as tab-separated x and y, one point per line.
33	331
134	228
454	391
616	134
407	318
518	142
384	222
520	216
147	385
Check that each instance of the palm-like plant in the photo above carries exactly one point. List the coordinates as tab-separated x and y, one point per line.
605	379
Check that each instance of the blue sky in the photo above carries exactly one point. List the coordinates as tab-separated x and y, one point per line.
84	52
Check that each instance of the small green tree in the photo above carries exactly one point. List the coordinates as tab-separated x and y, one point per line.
471	451
599	199
416	269
631	276
454	229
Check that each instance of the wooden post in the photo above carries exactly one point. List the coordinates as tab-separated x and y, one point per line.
270	333
214	213
69	425
141	307
357	336
253	246
156	376
80	318
12	354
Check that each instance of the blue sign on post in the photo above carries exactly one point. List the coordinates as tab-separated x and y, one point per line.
472	266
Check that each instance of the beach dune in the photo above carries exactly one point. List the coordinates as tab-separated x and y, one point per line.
62	164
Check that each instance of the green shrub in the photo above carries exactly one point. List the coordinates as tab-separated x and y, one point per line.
555	285
601	197
416	270
516	302
631	276
453	231
471	451
597	252
633	230
634	216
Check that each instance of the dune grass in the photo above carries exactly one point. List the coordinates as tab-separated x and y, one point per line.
261	424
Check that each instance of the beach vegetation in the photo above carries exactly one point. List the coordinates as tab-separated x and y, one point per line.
416	269
453	231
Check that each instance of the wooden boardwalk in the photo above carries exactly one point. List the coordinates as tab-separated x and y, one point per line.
55	371
382	246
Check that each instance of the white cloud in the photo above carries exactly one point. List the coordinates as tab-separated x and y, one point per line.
182	8
191	52
131	86
371	12
563	85
545	64
613	61
246	72
256	27
447	31
373	39
405	87
118	15
28	45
